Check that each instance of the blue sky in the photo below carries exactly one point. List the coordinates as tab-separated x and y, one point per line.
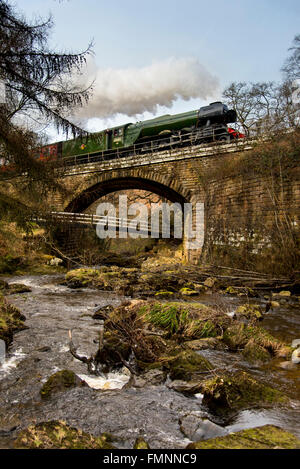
235	40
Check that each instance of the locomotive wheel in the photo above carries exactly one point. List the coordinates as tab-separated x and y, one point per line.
224	138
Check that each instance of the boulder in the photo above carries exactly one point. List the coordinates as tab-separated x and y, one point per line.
210	282
187	387
287	365
240	291
11	321
187	364
255	353
164	294
284	293
232	291
140	443
59	435
152	377
266	437
56	261
249	311
226	394
196	427
60	381
237	336
199	288
15	288
188	292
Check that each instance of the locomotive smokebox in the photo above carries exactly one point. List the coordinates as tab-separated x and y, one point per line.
216	113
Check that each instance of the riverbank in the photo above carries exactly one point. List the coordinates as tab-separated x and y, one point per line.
167	412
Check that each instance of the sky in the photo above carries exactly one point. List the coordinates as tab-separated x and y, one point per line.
234	40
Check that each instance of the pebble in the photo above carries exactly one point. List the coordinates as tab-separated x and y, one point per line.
296	356
231	315
285	293
295	343
287	365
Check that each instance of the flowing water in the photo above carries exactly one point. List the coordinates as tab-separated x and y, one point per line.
154	412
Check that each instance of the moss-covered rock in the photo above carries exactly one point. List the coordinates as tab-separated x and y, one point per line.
188	292
9	264
140	443
210	343
170	316
59	435
231	291
285	293
229	393
144	367
15	288
255	353
164	294
250	311
120	280
200	288
202	329
82	277
240	291
237	336
11	321
190	320
210	282
266	437
187	364
60	381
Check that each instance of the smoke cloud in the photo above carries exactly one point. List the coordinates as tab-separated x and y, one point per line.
134	91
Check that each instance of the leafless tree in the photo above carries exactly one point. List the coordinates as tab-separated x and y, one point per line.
263	107
291	67
37	84
267	107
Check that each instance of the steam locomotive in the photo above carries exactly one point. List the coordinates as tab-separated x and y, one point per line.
205	125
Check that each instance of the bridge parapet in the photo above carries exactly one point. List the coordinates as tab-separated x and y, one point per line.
89	163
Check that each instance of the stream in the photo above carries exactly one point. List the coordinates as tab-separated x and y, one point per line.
153	412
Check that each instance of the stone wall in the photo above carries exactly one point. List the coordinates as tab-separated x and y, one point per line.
253	217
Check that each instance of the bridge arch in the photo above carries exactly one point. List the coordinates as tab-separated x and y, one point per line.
95	189
169	183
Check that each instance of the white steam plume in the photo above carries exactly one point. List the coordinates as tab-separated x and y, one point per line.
133	91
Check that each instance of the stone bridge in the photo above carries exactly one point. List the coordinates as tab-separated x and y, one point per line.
241	207
172	174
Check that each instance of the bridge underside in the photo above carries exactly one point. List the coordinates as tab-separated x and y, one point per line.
95	192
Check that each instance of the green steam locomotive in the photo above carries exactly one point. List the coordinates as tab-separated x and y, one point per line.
205	125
